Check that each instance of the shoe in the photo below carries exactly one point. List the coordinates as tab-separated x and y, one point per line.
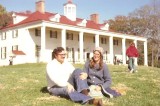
96	102
131	71
100	103
85	92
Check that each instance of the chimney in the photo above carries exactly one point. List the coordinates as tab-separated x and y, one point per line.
40	6
94	18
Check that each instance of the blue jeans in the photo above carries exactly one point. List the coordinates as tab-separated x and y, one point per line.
78	84
131	65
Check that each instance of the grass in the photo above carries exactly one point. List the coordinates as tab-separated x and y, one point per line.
24	85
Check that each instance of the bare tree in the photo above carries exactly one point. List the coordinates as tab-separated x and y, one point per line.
144	21
150	19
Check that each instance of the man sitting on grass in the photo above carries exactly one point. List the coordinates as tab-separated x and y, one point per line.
66	81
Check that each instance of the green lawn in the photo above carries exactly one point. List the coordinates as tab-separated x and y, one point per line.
24	85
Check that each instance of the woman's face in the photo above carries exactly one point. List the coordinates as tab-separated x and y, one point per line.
96	56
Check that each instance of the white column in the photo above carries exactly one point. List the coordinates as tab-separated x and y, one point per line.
145	54
43	43
63	38
111	49
135	42
124	50
81	46
97	40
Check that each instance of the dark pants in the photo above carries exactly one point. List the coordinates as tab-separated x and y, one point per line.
78	84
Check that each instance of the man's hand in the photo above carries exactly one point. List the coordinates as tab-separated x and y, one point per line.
98	88
83	76
70	88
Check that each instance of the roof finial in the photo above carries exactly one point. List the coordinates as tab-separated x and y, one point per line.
69	1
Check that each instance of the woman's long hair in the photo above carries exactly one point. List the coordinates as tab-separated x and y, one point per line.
92	62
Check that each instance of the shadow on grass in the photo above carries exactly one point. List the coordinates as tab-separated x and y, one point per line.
44	90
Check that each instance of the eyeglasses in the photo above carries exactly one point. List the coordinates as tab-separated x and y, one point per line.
62	54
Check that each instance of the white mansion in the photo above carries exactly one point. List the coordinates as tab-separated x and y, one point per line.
32	37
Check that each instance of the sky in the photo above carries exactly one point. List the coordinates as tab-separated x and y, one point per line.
107	9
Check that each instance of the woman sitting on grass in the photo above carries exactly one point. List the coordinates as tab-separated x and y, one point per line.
98	74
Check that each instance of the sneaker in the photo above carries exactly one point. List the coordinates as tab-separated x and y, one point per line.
108	92
131	71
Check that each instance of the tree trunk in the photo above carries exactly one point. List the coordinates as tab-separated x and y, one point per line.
152	57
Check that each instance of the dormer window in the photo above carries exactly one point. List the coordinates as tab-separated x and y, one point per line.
105	27
18	18
82	23
55	18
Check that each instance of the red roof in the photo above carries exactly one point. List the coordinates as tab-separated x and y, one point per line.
37	16
27	13
17	52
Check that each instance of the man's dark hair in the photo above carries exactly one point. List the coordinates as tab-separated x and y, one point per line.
56	51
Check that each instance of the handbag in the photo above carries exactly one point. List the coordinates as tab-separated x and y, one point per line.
94	93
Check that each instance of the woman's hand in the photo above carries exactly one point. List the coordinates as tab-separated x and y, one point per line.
70	88
83	76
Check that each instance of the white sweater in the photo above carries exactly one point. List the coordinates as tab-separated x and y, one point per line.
57	73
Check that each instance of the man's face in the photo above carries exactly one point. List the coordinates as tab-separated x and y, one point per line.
61	56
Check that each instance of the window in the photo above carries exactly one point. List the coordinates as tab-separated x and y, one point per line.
69	9
37	32
69	36
15	34
103	41
57	19
53	34
73	9
65	9
3	52
15	47
70	54
93	39
37	50
115	42
4	36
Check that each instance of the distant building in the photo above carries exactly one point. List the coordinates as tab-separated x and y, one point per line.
32	37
